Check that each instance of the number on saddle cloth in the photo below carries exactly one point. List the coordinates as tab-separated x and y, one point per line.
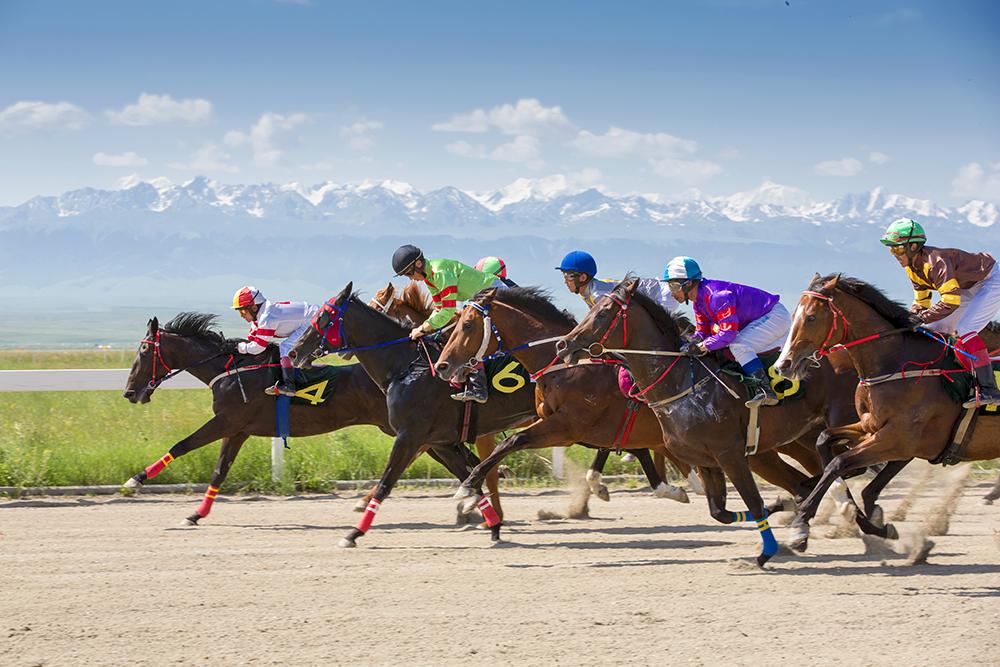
506	375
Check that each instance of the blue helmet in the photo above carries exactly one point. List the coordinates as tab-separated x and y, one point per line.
579	261
682	268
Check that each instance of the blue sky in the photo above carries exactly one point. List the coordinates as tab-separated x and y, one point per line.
671	98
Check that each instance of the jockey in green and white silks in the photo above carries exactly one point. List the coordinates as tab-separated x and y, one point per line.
279	322
969	288
449	282
745	319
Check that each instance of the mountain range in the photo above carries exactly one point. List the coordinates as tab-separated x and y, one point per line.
157	243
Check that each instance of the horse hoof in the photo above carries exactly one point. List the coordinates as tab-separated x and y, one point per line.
877	517
798	537
469	504
603	493
672	492
463	492
361	505
987	501
189	522
890	532
346	543
132	483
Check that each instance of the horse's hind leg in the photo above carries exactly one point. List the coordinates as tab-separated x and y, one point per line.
594	475
739	473
227	454
363	501
872	521
994	493
484	447
772	468
661	488
215	428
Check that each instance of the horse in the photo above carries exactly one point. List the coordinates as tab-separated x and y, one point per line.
901	417
703	419
414	306
421	410
242	409
581	403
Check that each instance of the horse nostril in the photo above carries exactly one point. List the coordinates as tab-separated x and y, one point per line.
441	366
128	393
292	354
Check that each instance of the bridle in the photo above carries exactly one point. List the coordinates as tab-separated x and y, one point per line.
839	320
488	329
154	381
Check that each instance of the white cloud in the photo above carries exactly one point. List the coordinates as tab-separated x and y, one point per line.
975	182
267	137
32	115
358	134
207	158
618	142
878	157
162	110
523	149
731	154
688	172
847	166
128	159
526	117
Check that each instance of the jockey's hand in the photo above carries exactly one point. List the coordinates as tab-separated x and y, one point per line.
416	333
916	308
693	348
916	320
230	346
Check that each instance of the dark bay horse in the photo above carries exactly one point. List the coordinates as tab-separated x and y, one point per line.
421	410
703	424
900	419
241	407
581	403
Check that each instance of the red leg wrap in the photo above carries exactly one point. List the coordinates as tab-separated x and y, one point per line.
369	515
154	470
490	514
206	502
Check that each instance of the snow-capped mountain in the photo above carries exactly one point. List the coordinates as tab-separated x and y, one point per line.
165	243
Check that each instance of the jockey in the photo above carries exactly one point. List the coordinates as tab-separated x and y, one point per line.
496	267
449	282
281	322
969	287
579	270
745	319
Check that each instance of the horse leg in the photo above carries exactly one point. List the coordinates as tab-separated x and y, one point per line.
875	448
738	471
594	475
715	493
460	461
661	488
227	454
215	428
404	450
872	521
775	470
994	493
484	447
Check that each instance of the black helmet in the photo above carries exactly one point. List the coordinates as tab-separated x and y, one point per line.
404	257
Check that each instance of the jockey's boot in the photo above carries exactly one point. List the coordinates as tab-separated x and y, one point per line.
765	393
987	393
475	387
286	386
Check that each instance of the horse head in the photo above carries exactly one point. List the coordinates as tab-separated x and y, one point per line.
471	340
817	324
142	378
325	333
600	326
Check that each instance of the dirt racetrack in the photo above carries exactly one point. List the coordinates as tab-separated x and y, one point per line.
647	581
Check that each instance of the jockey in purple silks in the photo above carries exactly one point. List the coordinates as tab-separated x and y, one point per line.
745	319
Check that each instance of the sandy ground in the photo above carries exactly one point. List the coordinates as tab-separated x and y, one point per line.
645	581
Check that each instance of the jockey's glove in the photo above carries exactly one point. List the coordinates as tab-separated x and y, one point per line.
693	348
231	346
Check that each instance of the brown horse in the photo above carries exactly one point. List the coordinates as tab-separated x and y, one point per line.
704	420
900	420
241	407
581	403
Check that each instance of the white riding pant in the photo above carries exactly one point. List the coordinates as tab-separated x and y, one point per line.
979	305
286	344
763	334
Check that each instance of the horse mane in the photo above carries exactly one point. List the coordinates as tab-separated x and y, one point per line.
417	299
535	300
893	311
194	324
672	325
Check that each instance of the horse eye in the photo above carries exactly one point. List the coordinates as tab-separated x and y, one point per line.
145	346
467	326
810	318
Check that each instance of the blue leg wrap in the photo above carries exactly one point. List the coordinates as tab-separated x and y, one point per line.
770	544
740	517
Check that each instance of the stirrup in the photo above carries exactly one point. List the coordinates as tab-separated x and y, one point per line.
278	390
467	396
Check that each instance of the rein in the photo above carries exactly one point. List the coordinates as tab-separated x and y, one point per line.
155	382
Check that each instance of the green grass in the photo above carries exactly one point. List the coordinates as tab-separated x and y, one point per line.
97	437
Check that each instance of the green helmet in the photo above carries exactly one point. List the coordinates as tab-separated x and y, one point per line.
904	231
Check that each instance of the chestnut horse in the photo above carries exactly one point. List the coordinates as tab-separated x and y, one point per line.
900	419
581	403
704	420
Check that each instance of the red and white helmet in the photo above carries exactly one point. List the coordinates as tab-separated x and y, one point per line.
247	296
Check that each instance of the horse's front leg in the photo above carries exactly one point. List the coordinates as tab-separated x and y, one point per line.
738	471
227	454
661	488
594	473
363	501
215	428
993	494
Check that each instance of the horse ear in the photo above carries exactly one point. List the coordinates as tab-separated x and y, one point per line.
390	289
345	293
154	326
487	294
832	283
632	284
